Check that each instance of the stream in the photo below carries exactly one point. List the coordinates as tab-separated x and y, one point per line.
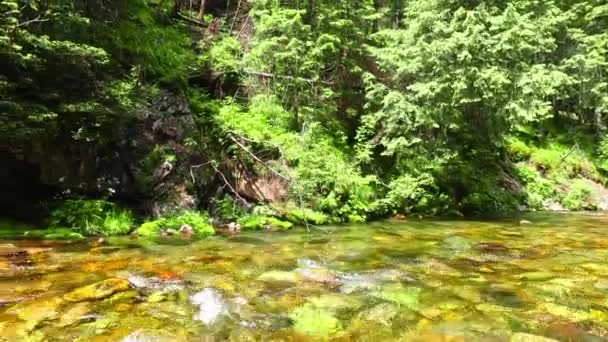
536	278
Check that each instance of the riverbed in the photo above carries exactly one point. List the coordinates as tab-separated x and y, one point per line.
541	277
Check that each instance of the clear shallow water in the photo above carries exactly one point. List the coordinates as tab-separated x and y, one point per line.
407	281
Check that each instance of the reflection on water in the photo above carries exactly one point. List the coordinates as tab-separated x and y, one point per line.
412	281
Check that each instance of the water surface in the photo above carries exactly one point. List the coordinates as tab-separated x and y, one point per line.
408	281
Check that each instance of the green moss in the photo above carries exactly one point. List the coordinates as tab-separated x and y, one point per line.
198	221
39	234
255	222
316	322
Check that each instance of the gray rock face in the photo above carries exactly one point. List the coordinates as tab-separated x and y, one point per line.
115	166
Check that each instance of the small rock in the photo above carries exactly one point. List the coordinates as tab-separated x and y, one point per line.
524	222
99	290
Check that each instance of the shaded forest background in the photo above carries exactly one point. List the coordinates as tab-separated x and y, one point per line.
304	110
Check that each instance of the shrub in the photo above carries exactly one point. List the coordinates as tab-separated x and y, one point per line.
537	188
558	159
518	150
198	221
305	215
92	217
579	196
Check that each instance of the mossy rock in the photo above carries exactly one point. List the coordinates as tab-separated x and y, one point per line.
199	223
255	222
403	296
99	290
38	310
315	322
335	302
279	277
41	234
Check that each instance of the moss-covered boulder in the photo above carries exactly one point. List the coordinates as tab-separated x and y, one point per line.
99	290
256	222
406	297
196	221
315	322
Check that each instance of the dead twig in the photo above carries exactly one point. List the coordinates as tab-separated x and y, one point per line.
232	189
25	23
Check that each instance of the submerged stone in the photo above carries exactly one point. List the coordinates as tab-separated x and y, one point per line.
352	282
382	313
99	290
279	277
335	302
154	283
36	311
315	322
400	295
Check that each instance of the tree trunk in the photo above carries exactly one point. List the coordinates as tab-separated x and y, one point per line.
201	11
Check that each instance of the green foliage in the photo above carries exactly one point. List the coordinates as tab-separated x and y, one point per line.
570	162
224	56
537	188
579	196
197	220
92	217
602	154
518	150
406	194
302	216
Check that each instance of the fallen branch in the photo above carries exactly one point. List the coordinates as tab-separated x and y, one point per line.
574	147
190	20
233	190
196	167
244	148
